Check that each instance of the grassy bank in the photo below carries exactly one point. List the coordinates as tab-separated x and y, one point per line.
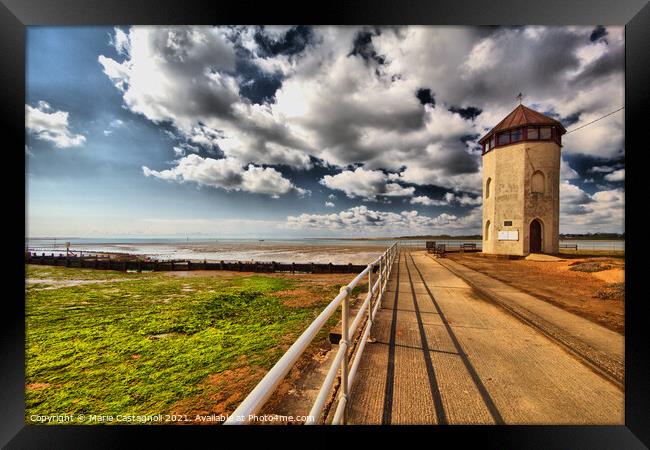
100	342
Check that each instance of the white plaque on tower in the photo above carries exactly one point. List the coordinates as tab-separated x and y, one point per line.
505	235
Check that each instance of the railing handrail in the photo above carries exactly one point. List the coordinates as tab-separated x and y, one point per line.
265	388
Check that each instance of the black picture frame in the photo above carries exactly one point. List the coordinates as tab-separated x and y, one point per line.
16	15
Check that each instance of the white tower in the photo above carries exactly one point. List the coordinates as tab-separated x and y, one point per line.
521	184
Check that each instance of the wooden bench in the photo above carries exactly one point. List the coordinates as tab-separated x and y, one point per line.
468	246
431	246
439	251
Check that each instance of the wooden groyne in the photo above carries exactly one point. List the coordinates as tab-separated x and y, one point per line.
140	265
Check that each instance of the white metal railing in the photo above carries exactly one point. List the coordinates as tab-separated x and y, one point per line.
265	388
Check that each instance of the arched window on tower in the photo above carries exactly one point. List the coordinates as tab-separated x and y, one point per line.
487	187
538	182
487	231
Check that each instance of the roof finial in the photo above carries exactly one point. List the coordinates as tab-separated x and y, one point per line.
520	97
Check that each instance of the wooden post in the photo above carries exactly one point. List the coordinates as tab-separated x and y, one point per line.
172	265
330	267
293	267
189	265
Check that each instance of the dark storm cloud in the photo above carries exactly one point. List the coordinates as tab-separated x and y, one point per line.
534	65
458	161
425	96
469	113
608	64
208	102
598	33
469	137
292	42
362	46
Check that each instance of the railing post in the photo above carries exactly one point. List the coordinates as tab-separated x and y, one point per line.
370	293
345	341
387	264
380	295
386	269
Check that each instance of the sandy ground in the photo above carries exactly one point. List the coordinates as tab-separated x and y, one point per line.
597	296
600	348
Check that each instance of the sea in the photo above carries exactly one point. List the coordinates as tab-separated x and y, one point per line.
336	251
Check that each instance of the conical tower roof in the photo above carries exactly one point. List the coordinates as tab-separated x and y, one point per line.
522	116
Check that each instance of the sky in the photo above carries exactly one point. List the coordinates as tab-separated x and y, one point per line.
298	131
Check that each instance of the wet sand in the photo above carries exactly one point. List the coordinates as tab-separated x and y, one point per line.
237	251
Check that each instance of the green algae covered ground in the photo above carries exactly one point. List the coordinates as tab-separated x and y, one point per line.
114	343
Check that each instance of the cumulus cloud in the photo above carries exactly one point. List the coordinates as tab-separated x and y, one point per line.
329	205
196	64
48	124
449	198
567	172
367	106
601	169
617	175
365	220
572	195
120	41
367	184
604	211
227	174
404	105
427	201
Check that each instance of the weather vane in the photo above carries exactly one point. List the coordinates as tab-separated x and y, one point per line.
520	97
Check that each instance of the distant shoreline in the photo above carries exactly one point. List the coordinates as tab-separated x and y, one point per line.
563	237
583	237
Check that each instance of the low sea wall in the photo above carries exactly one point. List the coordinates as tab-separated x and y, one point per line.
139	265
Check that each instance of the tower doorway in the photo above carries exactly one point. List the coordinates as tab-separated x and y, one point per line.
535	236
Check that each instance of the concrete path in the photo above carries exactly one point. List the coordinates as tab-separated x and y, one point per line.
596	345
443	355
